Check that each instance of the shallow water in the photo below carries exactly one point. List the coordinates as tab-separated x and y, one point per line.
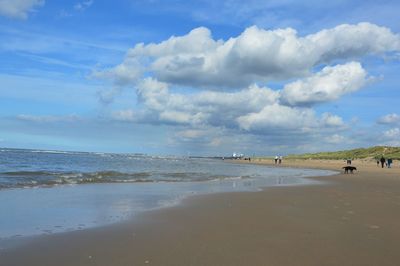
32	203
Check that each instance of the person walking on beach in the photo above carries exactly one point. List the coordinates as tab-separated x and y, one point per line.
383	160
280	159
377	163
276	159
389	162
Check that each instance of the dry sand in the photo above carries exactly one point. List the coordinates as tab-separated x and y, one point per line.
353	220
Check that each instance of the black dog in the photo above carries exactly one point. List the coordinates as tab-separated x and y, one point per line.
349	168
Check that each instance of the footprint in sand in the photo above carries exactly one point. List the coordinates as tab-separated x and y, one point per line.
350	212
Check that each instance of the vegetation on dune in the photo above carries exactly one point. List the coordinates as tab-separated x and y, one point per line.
361	153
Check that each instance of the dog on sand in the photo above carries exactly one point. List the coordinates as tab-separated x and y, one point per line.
348	169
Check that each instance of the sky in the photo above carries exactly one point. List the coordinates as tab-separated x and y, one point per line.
199	77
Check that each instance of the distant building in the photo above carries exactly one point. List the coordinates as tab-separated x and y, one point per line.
237	155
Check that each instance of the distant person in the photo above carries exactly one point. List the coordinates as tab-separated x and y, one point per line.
383	161
280	159
276	159
348	161
377	163
389	162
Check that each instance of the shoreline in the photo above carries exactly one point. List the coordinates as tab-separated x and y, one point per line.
36	211
353	221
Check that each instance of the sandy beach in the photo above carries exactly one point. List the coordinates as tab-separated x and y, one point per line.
351	220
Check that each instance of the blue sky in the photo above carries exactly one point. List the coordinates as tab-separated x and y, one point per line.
199	77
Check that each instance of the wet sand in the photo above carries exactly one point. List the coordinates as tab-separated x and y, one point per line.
353	220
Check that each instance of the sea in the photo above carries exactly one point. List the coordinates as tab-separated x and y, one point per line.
46	192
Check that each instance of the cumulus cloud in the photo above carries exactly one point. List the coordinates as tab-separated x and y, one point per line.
329	84
389	119
124	74
205	107
253	109
278	117
392	137
18	9
203	84
331	120
198	60
393	133
349	41
281	118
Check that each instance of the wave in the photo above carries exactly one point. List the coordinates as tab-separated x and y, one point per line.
17	179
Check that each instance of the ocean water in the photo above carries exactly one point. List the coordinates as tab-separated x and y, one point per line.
45	192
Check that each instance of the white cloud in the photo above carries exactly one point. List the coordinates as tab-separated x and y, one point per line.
391	137
389	119
124	115
177	117
198	40
349	41
197	60
47	118
82	6
77	7
254	109
206	107
327	85
126	73
18	8
393	133
153	93
277	116
228	75
336	139
331	120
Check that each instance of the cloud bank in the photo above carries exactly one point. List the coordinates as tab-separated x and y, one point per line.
18	9
256	55
200	83
254	109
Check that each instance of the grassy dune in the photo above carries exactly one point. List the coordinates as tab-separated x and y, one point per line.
361	153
